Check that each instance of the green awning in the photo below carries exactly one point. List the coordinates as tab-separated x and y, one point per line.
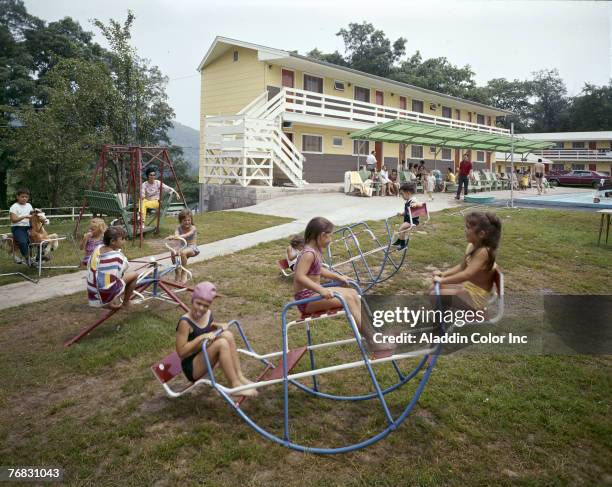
419	133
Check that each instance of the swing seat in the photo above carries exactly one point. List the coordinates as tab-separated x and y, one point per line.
170	367
283	264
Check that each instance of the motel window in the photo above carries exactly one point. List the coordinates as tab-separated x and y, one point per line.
312	143
577	145
558	145
578	167
361	147
558	167
480	120
313	83
417	106
480	156
416	151
447	154
447	112
362	94
235	56
337	141
339	85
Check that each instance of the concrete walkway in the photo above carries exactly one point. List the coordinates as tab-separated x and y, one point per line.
337	207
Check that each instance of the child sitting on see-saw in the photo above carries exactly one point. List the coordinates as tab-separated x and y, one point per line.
472	280
296	245
407	190
92	238
188	231
107	279
309	269
198	325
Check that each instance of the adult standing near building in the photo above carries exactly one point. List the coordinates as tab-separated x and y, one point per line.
371	162
538	169
465	169
150	192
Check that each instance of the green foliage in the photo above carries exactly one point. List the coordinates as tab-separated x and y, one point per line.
592	109
56	145
143	115
551	107
514	96
436	74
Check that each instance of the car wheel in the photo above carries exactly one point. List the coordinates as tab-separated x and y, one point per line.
553	182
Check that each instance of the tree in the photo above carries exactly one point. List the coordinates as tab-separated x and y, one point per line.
369	50
436	74
513	96
143	116
550	111
55	146
592	109
333	58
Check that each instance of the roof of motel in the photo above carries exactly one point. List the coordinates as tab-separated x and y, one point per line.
220	46
570	136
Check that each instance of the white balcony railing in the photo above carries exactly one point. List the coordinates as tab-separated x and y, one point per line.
345	109
575	154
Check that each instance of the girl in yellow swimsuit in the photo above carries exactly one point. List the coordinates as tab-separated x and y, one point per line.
472	280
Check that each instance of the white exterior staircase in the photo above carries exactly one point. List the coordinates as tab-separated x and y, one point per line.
251	148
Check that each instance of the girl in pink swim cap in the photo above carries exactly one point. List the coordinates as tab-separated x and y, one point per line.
198	325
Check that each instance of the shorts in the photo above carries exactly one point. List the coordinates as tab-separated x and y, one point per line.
539	175
304	294
196	250
108	295
187	366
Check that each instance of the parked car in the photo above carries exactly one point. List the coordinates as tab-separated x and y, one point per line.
580	178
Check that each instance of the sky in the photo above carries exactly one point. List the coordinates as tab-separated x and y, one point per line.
509	39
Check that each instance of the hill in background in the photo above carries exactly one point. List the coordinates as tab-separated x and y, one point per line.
189	140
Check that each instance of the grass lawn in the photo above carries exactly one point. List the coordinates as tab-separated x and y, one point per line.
212	226
96	410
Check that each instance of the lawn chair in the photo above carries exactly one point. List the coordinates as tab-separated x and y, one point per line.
408	177
495	181
474	183
358	183
487	180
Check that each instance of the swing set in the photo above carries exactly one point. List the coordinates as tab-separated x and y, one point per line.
123	165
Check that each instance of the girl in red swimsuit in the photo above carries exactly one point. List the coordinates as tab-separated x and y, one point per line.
308	272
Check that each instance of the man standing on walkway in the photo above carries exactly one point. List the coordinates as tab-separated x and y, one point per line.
539	175
465	169
371	162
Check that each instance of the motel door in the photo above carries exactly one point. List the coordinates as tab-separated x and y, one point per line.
378	146
288	78
593	145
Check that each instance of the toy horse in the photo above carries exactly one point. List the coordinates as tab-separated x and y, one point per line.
39	234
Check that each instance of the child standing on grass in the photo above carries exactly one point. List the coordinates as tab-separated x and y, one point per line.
472	280
92	239
107	278
188	231
309	270
429	184
19	214
296	245
407	190
197	326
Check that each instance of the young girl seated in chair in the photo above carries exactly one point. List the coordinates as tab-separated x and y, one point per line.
92	238
472	280
198	325
309	270
188	231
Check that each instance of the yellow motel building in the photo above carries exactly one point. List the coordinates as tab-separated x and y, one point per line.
591	151
272	117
